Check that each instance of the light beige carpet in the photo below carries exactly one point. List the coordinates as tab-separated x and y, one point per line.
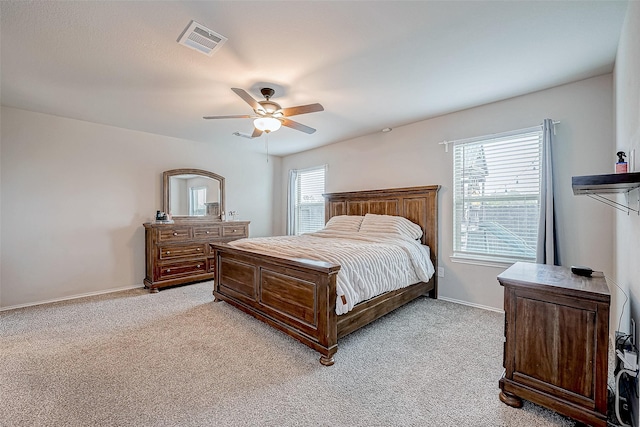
176	358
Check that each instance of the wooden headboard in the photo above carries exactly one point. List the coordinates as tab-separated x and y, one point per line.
417	204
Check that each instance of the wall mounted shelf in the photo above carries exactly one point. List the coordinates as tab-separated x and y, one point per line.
595	186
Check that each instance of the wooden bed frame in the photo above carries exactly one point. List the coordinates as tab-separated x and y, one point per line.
298	296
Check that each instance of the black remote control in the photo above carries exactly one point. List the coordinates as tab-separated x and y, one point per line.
581	270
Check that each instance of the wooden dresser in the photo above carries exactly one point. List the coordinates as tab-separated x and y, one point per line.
556	348
179	253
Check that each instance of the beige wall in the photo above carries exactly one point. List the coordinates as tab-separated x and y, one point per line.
75	195
410	155
627	95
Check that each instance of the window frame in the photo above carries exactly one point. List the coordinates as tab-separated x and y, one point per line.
460	207
300	205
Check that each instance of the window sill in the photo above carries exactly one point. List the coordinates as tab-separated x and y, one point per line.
486	262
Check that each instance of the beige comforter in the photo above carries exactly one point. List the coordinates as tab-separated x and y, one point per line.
370	263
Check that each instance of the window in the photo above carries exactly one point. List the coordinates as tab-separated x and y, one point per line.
308	206
497	196
197	199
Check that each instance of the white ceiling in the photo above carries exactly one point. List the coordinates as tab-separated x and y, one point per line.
371	64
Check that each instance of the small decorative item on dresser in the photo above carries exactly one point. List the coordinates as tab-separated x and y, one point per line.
163	218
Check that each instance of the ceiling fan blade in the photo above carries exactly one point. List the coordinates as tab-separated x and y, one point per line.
302	109
247	98
256	133
297	126
236	116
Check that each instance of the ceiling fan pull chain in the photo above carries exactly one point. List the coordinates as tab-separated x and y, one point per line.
266	143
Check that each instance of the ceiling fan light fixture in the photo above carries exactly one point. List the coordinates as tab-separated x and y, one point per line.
267	124
269	115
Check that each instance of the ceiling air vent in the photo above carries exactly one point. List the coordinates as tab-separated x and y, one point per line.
197	36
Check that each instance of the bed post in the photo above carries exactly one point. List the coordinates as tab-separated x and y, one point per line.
329	336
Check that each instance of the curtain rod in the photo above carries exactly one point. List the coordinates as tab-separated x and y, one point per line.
494	135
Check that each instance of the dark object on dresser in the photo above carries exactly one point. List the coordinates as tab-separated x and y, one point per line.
556	329
180	253
298	296
581	270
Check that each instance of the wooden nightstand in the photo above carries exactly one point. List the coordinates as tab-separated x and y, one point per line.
556	348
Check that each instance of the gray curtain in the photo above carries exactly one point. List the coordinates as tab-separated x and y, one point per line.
291	202
547	252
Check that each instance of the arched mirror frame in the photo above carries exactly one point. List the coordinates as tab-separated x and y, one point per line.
167	190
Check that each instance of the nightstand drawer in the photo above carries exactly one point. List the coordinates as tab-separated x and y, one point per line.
168	271
172	252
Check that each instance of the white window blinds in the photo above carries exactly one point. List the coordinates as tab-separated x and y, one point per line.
309	209
497	196
197	199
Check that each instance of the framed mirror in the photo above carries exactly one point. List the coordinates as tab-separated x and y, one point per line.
193	194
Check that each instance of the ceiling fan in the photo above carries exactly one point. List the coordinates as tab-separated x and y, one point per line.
269	115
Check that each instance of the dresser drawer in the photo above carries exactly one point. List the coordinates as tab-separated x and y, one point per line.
174	234
204	232
186	268
173	252
234	231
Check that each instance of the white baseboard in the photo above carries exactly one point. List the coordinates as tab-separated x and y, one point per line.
87	294
470	304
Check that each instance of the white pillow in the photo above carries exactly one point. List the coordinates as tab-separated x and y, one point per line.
390	224
344	223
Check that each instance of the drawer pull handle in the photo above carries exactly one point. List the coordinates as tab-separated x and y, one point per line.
168	252
175	234
168	270
198	249
234	230
207	232
198	266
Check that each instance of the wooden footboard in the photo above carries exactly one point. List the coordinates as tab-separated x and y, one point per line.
296	296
